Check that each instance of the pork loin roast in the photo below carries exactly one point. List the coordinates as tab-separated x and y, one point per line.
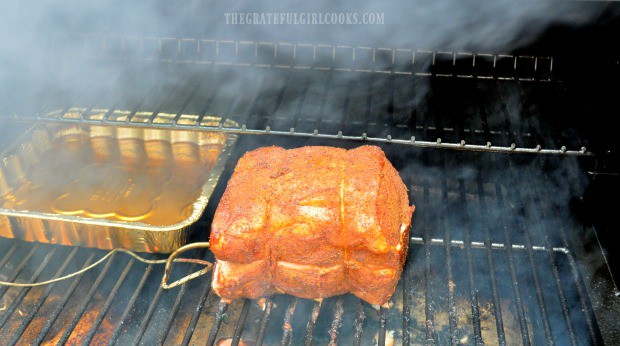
312	222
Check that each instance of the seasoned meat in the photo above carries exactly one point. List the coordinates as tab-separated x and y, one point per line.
312	222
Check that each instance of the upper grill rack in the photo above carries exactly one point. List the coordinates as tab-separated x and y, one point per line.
494	112
286	55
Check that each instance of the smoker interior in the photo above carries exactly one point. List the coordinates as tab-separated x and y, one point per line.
494	148
498	242
504	270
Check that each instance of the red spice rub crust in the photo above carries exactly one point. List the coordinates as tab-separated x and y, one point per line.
312	222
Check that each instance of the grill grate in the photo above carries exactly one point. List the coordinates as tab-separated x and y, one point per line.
494	273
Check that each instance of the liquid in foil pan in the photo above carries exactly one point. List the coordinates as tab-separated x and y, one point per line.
108	187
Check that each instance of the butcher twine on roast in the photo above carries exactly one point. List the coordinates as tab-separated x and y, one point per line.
312	222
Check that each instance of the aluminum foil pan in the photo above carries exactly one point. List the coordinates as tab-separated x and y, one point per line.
108	187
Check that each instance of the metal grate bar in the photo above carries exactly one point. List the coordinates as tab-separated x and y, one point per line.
585	307
578	280
163	96
368	106
255	99
474	119
205	110
381	120
8	254
287	327
390	106
556	274
351	109
337	322
436	116
475	310
504	112
314	316
321	110
186	103
130	306
425	117
137	107
300	104
328	110
61	304
241	322
149	314
407	301
196	315
538	287
19	269
452	318
562	298
23	291
106	306
108	114
219	316
175	307
460	116
155	113
345	106
85	301
483	112
524	100
185	93
499	321
37	305
263	322
278	101
264	106
156	110
358	325
513	271
428	309
383	311
413	118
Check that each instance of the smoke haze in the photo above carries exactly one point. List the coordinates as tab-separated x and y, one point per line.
41	51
